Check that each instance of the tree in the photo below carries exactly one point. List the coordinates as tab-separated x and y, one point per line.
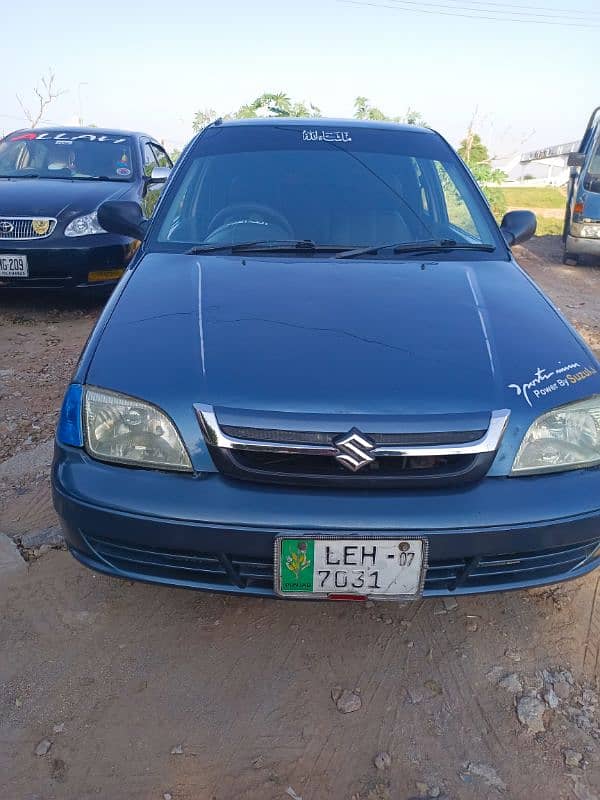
202	118
44	96
364	110
477	157
268	104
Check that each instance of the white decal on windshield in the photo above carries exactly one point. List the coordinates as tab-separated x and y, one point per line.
314	135
545	382
68	137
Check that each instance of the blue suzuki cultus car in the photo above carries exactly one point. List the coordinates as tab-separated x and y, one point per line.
323	375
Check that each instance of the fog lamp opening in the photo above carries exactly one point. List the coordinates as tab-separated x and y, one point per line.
104	275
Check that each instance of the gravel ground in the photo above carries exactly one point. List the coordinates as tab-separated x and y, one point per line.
118	690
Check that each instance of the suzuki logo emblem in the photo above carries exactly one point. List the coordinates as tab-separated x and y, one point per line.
354	450
6	227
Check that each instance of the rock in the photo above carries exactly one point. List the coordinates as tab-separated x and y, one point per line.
30	460
43	747
414	695
530	711
572	758
514	655
11	561
433	687
347	701
383	760
336	693
512	683
59	728
450	603
289	791
167	796
551	698
45	537
177	750
487	774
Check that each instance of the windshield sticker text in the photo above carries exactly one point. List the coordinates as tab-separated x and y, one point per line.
68	137
545	382
315	135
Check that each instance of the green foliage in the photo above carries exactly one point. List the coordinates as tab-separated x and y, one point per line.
202	118
476	156
549	226
268	104
534	197
364	110
279	104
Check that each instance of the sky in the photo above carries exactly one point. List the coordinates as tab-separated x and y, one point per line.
150	66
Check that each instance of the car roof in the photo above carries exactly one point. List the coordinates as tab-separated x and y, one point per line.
337	121
85	130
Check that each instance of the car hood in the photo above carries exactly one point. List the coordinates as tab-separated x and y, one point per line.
320	336
53	197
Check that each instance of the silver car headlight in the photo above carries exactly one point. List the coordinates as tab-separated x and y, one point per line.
84	226
124	430
565	438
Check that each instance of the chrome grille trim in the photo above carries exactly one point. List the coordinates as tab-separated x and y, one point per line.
22	228
325	437
216	436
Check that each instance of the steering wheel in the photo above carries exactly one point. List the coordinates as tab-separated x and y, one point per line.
259	216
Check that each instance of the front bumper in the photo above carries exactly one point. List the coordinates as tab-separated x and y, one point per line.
67	263
208	532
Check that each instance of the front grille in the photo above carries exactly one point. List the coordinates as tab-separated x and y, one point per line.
269	467
255	575
23	228
385	452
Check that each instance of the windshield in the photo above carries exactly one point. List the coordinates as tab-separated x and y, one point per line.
347	187
69	154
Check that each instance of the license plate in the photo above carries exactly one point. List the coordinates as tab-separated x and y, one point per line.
13	266
374	567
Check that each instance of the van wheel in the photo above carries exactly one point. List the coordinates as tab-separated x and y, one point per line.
570	259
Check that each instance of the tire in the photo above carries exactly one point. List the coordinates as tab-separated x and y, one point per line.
570	259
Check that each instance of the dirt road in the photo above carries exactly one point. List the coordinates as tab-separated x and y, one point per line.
144	692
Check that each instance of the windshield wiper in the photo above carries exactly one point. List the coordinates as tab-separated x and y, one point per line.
429	246
266	245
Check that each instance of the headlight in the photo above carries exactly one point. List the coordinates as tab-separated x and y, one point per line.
128	431
84	226
566	438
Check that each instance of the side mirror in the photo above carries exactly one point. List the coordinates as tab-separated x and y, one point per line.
518	226
158	175
123	217
575	159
